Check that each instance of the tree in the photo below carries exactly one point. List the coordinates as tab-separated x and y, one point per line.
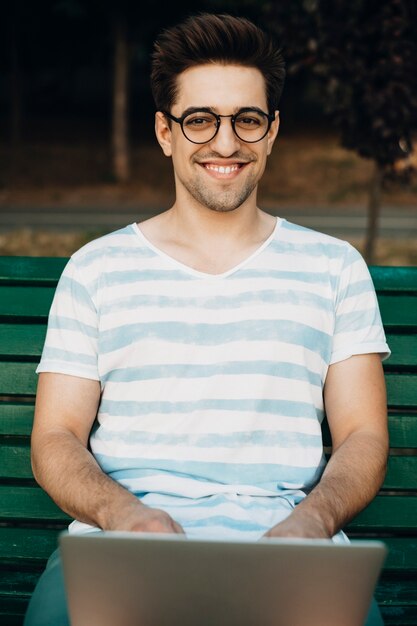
116	19
368	55
120	126
130	28
365	53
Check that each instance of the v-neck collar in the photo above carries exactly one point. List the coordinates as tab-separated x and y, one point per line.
197	273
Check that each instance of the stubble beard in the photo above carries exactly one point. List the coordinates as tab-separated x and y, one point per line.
225	200
221	201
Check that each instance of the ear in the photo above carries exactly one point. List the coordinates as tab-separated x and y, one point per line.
273	132
163	133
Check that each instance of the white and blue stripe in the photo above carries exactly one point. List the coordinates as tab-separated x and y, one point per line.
212	385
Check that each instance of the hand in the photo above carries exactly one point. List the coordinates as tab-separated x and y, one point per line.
297	525
145	519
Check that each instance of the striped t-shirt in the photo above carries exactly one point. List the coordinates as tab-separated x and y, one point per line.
212	385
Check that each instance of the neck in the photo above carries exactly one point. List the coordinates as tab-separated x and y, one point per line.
206	240
195	222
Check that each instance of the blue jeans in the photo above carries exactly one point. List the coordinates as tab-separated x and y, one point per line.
48	605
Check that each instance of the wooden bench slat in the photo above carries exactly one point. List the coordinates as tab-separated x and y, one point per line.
15	461
402	430
388	587
16	418
399	615
15	592
401	473
401	390
395	279
27	544
24	340
12	610
397	597
14	301
387	514
18	378
21	503
403	350
398	310
35	270
18	581
402	554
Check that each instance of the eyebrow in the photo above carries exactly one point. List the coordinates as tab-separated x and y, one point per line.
195	109
205	109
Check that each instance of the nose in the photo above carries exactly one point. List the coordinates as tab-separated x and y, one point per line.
226	141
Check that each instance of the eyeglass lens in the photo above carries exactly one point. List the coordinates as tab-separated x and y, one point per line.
201	126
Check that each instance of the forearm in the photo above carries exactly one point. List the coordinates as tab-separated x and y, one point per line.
66	407
350	481
71	476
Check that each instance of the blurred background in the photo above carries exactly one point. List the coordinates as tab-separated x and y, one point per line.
78	157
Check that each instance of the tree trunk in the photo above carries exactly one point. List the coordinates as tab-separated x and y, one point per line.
374	208
120	144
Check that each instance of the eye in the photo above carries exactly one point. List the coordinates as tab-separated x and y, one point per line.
249	120
198	120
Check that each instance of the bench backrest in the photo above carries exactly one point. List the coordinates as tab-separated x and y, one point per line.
30	521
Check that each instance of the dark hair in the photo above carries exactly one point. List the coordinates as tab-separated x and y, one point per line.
209	38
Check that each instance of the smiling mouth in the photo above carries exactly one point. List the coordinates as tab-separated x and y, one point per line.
223	169
228	171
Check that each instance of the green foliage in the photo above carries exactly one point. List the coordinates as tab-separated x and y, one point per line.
365	54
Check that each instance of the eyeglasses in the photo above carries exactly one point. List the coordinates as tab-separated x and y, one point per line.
202	125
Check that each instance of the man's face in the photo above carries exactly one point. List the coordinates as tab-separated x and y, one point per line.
222	174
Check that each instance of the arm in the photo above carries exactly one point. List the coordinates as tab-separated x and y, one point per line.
66	407
355	402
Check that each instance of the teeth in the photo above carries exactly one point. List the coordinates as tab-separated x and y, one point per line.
221	169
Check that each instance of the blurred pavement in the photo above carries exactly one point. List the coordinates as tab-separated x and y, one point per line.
395	223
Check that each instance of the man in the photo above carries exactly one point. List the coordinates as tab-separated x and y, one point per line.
187	358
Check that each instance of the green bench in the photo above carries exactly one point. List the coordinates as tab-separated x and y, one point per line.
30	521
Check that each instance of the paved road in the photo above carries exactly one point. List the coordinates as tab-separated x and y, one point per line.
395	223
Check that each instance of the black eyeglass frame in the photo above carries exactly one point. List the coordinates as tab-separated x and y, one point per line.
180	120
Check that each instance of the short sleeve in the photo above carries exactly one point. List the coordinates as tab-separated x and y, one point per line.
358	325
72	334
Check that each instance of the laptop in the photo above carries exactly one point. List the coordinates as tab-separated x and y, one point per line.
131	579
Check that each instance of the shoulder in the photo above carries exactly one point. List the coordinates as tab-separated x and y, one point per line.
301	235
117	243
104	258
317	249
